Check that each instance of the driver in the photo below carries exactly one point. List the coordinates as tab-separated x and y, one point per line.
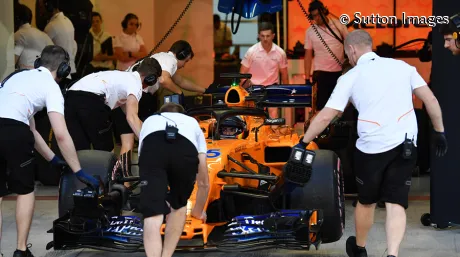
233	127
22	95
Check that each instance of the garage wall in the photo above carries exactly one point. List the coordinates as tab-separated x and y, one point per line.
156	17
6	38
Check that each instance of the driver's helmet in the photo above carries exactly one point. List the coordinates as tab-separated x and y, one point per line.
233	127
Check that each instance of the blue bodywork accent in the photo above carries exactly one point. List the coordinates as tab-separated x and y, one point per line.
250	8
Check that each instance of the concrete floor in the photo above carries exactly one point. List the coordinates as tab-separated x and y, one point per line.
419	241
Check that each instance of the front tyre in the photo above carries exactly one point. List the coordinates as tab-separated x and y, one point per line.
325	191
93	162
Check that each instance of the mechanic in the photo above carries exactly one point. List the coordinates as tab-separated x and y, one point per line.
22	94
326	68
265	61
172	152
176	58
29	42
61	31
90	101
381	89
450	42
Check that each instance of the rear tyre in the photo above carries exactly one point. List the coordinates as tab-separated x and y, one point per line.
324	191
93	162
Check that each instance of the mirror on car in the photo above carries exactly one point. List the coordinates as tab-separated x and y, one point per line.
278	121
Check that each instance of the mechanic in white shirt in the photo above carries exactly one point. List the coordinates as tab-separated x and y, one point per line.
62	32
29	42
172	152
381	90
90	101
178	55
23	94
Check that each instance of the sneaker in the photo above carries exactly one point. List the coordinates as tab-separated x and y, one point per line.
26	253
353	250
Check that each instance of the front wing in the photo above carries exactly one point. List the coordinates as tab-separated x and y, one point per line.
289	229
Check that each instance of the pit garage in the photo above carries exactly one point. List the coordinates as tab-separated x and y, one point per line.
250	213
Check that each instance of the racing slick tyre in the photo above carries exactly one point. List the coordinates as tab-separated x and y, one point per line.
93	162
324	191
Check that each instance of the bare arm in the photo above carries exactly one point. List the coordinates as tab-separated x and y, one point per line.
64	140
132	106
320	123
121	55
187	84
141	53
432	106
40	144
202	179
307	62
244	70
167	82
284	76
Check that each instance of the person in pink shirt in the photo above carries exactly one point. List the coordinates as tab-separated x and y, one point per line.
327	67
265	61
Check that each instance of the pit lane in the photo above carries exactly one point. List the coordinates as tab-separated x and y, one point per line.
419	240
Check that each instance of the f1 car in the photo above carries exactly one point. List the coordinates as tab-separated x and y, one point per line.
263	192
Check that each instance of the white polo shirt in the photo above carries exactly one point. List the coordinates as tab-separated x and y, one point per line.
29	42
381	90
28	92
263	66
60	29
115	85
188	127
168	62
129	43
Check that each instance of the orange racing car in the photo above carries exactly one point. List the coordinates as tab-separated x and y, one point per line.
261	194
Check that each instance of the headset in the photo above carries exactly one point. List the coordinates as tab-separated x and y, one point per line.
64	68
317	5
150	80
454	22
184	53
129	16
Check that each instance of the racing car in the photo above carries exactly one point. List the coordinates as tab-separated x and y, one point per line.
263	192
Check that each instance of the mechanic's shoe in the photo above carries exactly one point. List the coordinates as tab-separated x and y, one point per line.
26	253
353	250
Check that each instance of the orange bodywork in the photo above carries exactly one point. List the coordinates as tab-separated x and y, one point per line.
218	150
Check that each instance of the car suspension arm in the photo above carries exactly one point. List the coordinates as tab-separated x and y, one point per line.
241	164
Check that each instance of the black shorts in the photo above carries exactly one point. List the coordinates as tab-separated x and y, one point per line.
326	82
147	107
88	121
384	177
163	164
17	159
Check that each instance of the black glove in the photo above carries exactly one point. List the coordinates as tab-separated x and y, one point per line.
87	179
440	143
301	144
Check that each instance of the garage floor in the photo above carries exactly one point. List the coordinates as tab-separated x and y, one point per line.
420	241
